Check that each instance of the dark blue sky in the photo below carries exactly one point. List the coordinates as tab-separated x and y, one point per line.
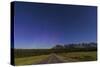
45	25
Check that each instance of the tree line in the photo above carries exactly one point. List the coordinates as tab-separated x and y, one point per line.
79	45
59	48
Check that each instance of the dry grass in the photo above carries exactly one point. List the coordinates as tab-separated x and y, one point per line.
79	56
29	60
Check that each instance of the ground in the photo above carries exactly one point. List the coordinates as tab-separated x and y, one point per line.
57	58
79	56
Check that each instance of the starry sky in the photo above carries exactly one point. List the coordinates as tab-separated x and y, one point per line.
38	25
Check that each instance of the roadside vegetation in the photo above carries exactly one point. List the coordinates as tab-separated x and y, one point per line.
69	52
79	56
29	60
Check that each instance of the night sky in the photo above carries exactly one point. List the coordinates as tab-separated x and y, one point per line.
45	25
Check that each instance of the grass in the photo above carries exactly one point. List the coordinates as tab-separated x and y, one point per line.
67	57
29	60
79	56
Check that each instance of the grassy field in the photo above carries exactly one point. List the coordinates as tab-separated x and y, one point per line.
68	53
29	60
79	56
67	57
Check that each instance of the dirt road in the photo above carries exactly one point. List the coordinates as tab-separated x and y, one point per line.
52	58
